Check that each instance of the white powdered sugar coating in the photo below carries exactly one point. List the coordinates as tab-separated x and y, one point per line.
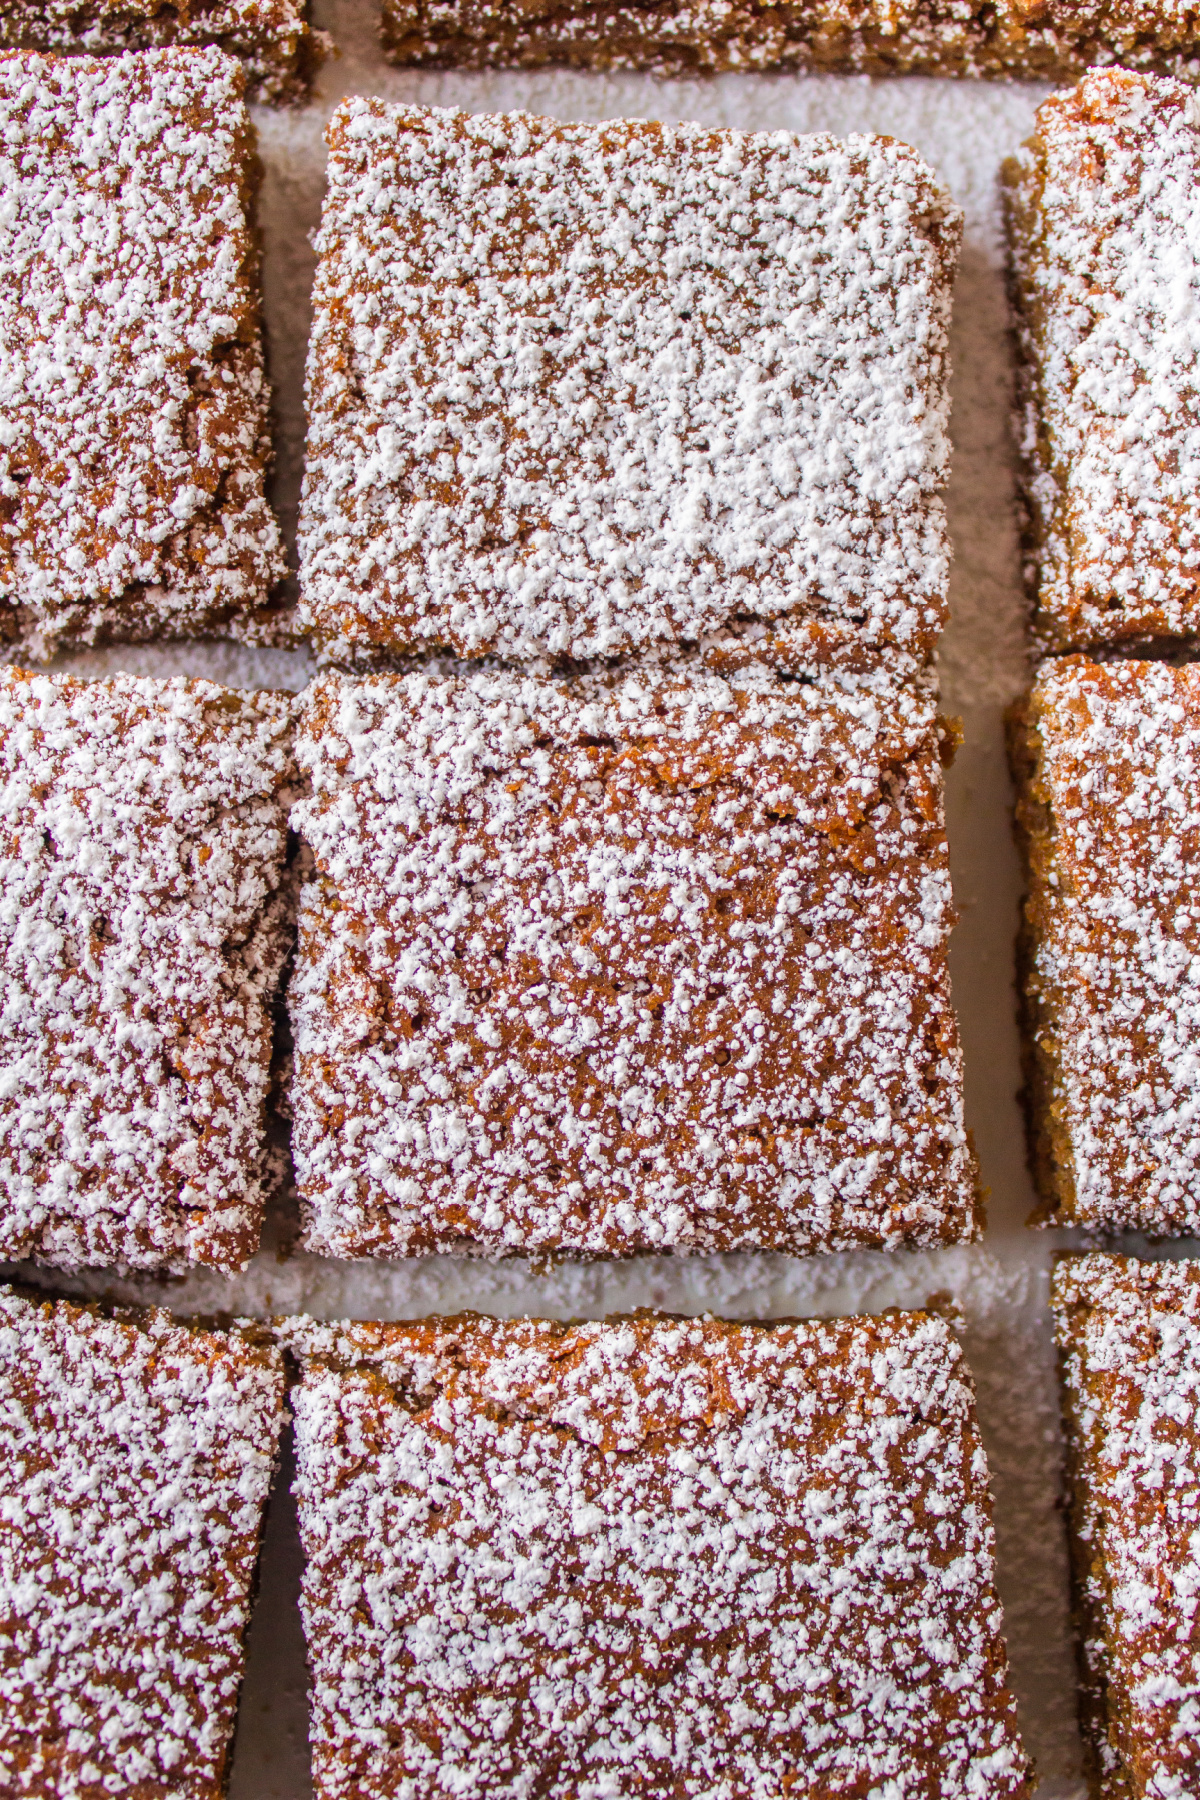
1106	255
142	933
1115	957
649	1556
1130	1337
579	388
133	406
635	961
135	1459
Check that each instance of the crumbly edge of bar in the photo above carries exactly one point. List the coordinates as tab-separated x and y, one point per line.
1039	1002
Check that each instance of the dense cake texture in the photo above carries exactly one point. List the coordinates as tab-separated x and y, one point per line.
632	961
135	1459
271	38
1129	1333
143	928
579	388
650	1556
1106	283
1108	763
133	405
1054	41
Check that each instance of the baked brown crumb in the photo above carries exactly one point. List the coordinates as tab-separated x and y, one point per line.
133	406
1054	41
649	1556
1106	287
1107	759
135	1458
143	929
272	39
1129	1333
576	390
630	961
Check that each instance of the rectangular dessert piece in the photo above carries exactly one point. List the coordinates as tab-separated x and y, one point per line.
1056	40
133	406
652	1555
1129	1333
270	38
631	961
143	928
1107	759
575	389
1106	286
135	1459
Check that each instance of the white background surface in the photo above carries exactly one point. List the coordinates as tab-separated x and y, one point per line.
965	130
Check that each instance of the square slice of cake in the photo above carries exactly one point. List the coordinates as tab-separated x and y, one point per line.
270	38
649	1556
133	405
143	929
576	389
1129	1334
1106	280
1058	40
1107	758
135	1460
631	961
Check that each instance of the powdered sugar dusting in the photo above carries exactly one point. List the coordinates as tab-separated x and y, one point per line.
142	932
575	389
1106	253
692	1557
135	1458
133	408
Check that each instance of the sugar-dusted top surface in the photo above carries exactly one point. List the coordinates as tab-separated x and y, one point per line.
1117	951
1106	253
142	838
132	401
577	388
1130	1337
135	1458
634	961
648	1556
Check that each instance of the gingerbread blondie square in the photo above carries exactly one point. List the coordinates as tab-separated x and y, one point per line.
1129	1334
270	38
1107	758
143	928
133	405
575	389
651	1556
1106	285
135	1459
628	961
1054	41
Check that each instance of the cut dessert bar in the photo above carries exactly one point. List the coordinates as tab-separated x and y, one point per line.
580	388
1106	282
271	38
135	1459
143	928
1056	40
651	1556
1129	1333
1108	762
628	961
133	406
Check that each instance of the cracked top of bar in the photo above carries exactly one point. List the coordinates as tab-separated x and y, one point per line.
135	1459
576	389
133	405
670	1557
629	961
1106	267
143	928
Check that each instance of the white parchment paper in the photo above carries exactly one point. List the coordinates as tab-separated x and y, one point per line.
965	130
